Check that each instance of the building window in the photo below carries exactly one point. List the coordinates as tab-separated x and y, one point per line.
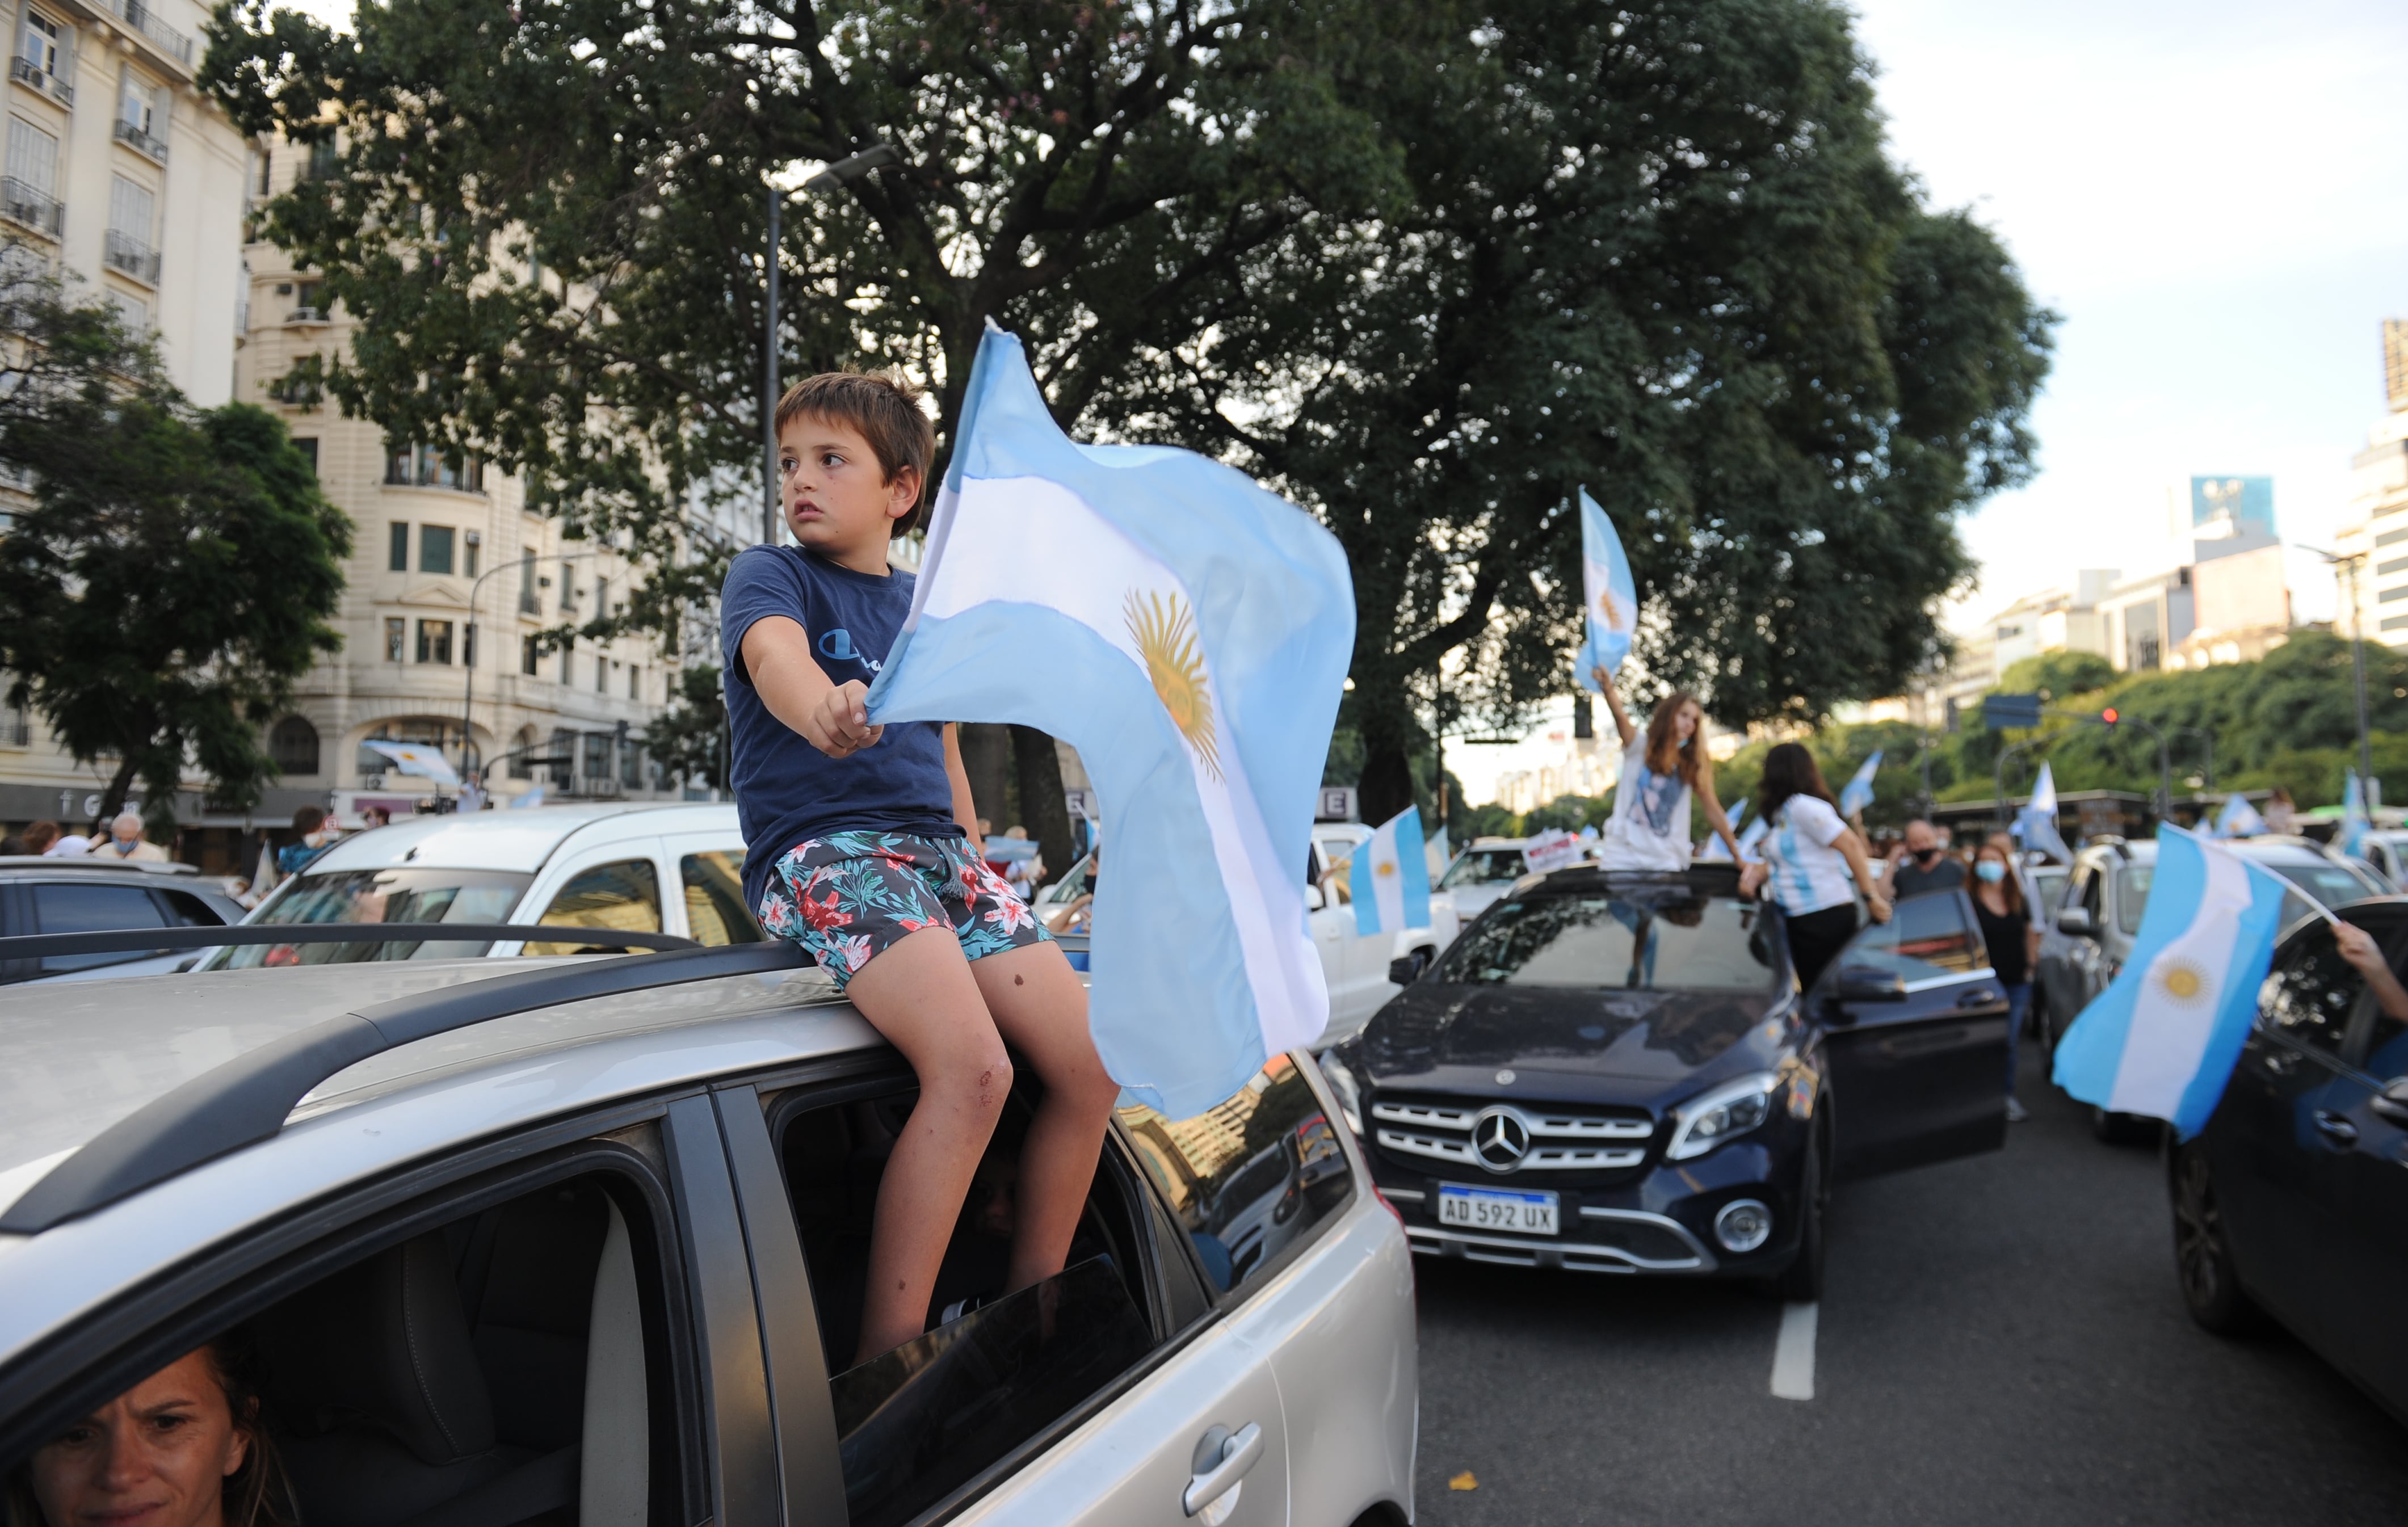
435	549
468	645
293	745
398	547
521	766
31	199
133	211
308	446
393	637
40	45
2393	623
568	590
2387	595
569	663
423	467
434	641
529	604
631	765
601	674
141	106
260	165
597	755
635	681
528	656
324	159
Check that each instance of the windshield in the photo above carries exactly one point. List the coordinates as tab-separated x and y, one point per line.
382	896
1640	941
1484	866
2329	883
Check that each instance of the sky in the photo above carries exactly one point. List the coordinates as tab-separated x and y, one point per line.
2214	195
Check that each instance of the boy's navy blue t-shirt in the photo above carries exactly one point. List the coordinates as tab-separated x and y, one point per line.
786	790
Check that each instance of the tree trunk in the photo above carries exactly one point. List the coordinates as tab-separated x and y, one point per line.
112	800
1044	813
1386	787
986	758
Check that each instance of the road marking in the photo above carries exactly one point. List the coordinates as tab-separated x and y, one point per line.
1793	1356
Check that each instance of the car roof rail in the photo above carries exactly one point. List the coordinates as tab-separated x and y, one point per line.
77	861
142	940
246	1100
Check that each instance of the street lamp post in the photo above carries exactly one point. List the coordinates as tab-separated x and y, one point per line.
2345	566
837	175
468	646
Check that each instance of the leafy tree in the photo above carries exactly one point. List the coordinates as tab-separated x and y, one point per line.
175	573
2058	676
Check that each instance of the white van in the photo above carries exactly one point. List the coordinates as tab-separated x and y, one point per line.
672	868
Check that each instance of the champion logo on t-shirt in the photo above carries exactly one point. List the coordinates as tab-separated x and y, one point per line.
837	647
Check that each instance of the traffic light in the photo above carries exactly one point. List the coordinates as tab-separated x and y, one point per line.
2108	714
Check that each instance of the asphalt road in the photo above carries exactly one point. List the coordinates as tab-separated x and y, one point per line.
2001	1341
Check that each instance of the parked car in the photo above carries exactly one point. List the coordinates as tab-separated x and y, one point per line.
2293	1201
2386	850
75	896
584	1240
666	867
2099	915
1616	1072
1360	969
1482	873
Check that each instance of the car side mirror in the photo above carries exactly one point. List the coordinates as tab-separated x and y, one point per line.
2392	1102
1313	900
2075	921
1871	983
1406	968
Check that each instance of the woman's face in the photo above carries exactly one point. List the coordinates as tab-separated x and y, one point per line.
1684	724
156	1456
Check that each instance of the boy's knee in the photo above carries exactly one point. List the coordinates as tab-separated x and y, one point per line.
980	1079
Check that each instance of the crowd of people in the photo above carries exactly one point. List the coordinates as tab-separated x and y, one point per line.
314	831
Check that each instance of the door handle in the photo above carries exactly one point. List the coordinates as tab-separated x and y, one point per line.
1980	998
1222	1460
2333	1127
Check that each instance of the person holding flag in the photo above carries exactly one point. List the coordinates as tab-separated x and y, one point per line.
1662	768
1813	862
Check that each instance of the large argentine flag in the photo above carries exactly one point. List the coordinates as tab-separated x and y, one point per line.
2161	1040
1390	878
1189	634
1610	594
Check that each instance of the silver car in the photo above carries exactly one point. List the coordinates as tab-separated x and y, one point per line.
582	1238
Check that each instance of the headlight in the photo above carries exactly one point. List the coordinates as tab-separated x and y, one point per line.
1349	1091
1711	1118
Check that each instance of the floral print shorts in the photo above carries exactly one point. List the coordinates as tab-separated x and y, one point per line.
847	896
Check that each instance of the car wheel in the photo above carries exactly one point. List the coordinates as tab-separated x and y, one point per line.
2203	1257
1801	1281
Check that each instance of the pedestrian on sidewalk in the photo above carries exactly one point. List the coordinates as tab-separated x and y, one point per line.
1924	864
46	840
1661	770
1810	857
124	841
2013	942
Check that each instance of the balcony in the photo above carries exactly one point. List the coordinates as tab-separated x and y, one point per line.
135	137
28	208
170	41
26	72
131	257
306	315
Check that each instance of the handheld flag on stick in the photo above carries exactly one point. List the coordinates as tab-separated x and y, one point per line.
1611	594
1712	849
2354	820
2239	819
1857	793
1196	631
1390	878
2038	819
2161	1040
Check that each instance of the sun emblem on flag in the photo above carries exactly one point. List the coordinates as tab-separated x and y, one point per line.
1165	635
2182	980
1610	609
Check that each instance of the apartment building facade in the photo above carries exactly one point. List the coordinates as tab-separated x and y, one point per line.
2376	541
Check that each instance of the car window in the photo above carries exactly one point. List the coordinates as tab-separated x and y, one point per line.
1926	939
380	895
2091	887
2132	894
1631	941
98	907
2331	884
2308	996
1484	866
518	1352
624	894
916	1423
714	898
1250	1177
187	910
2048	887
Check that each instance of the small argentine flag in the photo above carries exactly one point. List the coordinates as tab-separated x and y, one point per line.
1188	633
2038	819
1857	793
1610	595
2161	1040
2239	819
2354	820
1390	878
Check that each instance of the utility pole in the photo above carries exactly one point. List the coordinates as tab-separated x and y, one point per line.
2345	566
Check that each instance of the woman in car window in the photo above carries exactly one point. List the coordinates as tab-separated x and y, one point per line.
1810	858
1661	768
184	1447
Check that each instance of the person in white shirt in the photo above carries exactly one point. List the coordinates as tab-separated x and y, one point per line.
1811	858
1661	770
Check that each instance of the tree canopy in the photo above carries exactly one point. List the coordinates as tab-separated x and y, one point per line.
175	573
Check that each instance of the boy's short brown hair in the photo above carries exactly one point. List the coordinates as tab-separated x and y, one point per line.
884	408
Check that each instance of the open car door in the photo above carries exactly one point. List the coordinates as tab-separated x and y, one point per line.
1916	1040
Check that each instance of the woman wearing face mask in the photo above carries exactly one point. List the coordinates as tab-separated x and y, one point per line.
1661	770
184	1447
2014	941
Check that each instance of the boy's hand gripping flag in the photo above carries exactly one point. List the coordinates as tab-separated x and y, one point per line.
1390	878
1857	793
1188	633
2161	1040
1611	596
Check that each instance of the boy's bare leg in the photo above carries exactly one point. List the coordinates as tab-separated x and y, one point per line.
918	992
1042	1010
